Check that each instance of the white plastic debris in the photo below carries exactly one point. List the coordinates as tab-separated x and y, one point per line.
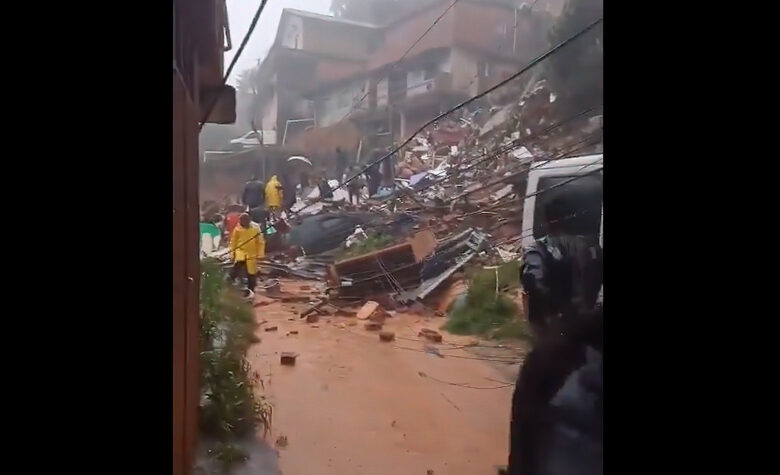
357	236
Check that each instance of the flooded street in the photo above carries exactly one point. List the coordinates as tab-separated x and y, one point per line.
353	404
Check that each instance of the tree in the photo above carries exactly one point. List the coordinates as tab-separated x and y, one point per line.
576	72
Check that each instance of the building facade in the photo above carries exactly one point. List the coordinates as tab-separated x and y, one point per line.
324	70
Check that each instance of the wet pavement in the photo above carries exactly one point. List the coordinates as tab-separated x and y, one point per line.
353	404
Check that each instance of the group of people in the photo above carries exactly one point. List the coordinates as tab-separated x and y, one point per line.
557	406
372	179
262	207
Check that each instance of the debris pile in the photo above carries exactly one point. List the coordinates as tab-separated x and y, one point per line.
457	202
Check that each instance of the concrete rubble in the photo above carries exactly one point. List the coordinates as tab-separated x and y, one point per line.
456	202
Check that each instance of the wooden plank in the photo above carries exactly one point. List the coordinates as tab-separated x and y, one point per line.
423	243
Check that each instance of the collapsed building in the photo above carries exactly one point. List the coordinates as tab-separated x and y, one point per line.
329	83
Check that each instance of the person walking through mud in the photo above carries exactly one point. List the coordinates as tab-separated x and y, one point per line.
246	246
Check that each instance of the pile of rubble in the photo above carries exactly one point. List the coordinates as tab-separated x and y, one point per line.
457	202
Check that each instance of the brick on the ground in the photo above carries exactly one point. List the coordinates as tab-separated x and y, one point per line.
288	358
386	336
430	335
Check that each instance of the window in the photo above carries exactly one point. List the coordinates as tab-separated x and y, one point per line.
430	72
585	195
483	69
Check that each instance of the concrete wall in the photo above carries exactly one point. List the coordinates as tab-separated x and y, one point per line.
484	27
335	38
468	70
332	107
292	33
398	38
464	71
269	114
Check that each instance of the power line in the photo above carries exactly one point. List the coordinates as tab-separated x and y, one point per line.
235	59
463	385
530	65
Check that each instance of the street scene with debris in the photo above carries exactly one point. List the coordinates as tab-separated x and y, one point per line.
406	210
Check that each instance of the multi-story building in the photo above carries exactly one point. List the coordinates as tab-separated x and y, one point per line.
328	82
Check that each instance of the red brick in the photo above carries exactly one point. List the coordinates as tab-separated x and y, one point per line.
288	359
386	336
430	335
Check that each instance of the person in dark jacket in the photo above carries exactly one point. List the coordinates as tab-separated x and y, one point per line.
557	406
289	190
374	179
341	163
254	193
562	271
259	215
324	187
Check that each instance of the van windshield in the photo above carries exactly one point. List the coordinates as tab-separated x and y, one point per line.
584	194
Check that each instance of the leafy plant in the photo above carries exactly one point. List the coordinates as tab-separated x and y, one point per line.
487	310
229	453
229	407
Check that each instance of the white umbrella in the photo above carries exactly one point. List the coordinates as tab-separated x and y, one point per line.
299	159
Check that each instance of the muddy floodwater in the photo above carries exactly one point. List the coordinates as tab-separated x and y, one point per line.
355	405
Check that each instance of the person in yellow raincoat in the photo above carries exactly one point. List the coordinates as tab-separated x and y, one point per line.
247	244
273	195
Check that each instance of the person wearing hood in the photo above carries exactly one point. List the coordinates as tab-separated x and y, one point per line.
246	246
273	194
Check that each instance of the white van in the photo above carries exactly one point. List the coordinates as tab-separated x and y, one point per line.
581	179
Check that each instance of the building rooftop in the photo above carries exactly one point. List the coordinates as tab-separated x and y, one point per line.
330	18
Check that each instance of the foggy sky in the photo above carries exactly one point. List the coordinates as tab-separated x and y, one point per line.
240	13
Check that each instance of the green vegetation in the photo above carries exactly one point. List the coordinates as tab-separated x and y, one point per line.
488	312
229	408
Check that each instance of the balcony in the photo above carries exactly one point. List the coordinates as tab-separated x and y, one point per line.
441	83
